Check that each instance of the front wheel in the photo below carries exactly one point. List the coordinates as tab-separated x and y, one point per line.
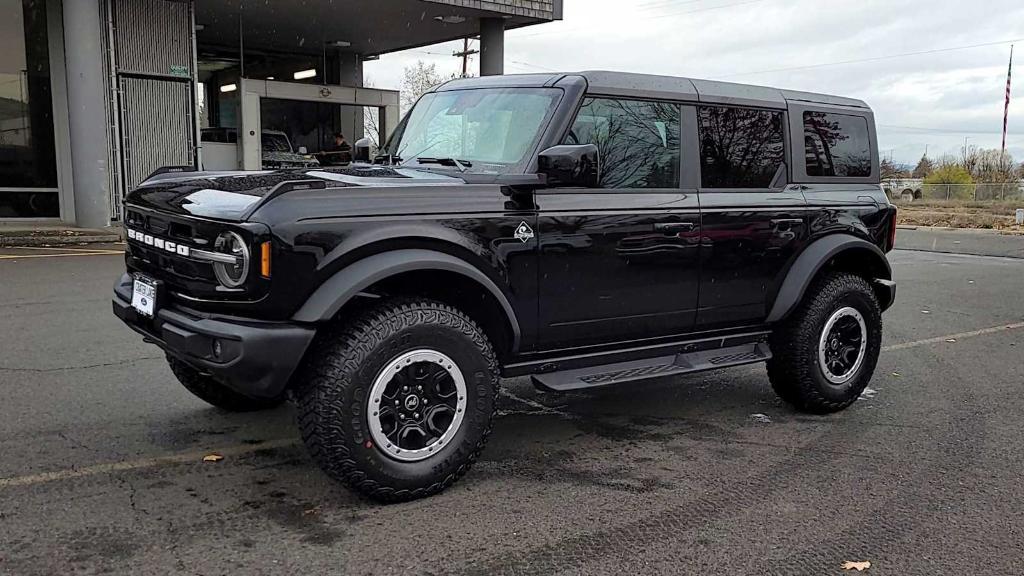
825	354
398	403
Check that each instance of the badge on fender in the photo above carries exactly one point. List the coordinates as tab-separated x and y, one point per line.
524	232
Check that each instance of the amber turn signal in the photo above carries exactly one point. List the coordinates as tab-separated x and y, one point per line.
265	259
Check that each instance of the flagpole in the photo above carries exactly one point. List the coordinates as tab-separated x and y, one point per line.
1006	110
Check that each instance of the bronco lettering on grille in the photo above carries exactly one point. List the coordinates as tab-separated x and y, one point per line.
159	243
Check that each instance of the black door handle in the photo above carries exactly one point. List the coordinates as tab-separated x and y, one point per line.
674	226
786	223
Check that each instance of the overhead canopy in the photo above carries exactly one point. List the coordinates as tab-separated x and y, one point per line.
364	27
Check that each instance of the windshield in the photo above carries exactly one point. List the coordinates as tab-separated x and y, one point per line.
276	142
487	130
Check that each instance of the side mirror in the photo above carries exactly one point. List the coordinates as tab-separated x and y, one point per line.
363	148
303	150
570	165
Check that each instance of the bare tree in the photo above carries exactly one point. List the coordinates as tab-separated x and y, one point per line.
419	79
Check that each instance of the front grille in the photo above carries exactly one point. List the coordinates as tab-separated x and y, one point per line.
181	274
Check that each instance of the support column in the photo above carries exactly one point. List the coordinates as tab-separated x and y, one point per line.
492	46
350	73
84	31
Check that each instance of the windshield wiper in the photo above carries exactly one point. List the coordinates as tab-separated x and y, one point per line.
462	165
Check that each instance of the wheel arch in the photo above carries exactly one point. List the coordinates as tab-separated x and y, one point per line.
834	252
425	272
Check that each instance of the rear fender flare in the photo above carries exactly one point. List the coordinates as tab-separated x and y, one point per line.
812	260
339	289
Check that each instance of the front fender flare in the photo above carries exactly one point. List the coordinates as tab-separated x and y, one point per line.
812	260
339	289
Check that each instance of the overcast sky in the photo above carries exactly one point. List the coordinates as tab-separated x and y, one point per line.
935	99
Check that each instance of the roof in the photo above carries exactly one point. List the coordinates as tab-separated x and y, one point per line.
630	85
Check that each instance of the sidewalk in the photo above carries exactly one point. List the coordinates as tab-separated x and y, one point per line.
55	235
960	241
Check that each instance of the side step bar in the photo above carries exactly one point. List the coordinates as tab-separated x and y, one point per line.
683	363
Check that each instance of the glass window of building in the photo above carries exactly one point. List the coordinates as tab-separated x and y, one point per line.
28	167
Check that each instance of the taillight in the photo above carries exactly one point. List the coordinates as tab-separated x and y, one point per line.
892	229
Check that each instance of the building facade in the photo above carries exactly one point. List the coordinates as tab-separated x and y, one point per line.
97	94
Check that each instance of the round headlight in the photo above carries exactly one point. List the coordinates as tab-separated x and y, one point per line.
232	275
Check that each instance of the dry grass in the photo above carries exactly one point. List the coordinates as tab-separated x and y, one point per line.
961	214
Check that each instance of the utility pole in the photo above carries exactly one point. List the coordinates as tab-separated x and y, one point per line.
465	54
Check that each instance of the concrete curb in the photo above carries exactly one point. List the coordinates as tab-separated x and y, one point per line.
57	240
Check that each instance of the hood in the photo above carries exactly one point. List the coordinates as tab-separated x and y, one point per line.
293	158
232	196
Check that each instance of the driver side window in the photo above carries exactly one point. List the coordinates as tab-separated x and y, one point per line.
637	141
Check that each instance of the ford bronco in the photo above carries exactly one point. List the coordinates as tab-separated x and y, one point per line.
587	229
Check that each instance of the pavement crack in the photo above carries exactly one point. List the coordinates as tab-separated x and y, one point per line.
84	367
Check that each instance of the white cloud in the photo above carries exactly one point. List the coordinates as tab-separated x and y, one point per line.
932	100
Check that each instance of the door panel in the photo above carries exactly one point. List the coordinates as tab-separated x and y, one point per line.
748	241
628	270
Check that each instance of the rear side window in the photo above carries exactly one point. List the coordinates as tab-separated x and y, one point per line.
740	147
837	145
638	141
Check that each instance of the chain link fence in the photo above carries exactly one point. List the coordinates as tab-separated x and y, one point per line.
983	192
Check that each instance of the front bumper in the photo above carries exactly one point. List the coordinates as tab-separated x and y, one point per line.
256	358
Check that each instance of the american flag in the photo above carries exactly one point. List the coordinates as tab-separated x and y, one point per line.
1006	110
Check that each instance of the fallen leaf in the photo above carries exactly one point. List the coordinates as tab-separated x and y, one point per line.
950	339
314	510
212	458
858	566
925	312
762	418
896	374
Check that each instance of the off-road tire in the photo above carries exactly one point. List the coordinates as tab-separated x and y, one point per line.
794	370
332	396
212	392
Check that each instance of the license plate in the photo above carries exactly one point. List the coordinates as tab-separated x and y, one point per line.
144	296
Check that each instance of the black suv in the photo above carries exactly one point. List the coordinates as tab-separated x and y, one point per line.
585	229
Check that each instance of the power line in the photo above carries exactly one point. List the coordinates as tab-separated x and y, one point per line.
874	58
938	130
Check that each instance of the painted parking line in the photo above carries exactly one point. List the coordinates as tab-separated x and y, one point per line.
241	449
62	255
957	336
180	458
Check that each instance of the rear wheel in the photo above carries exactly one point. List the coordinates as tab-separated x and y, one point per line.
398	403
215	393
825	354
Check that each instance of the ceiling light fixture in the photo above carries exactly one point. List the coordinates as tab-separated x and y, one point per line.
303	74
450	19
228	88
339	43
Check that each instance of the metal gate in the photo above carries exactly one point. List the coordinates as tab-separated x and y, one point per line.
156	127
153	69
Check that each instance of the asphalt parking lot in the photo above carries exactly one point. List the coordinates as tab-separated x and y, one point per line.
101	453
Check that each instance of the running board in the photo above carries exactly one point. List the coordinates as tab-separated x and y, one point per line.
660	367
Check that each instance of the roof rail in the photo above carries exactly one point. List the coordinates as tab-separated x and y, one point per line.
170	170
